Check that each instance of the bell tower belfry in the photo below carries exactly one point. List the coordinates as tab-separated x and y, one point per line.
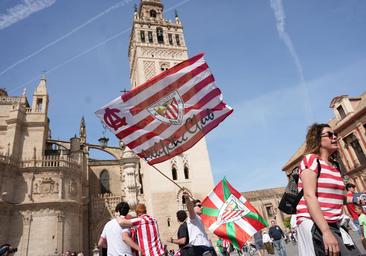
157	44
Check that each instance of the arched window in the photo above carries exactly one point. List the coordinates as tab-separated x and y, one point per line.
104	182
160	35
183	205
174	173
142	36
177	40
152	13
150	36
186	172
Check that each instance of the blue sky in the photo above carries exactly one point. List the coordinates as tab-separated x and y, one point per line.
278	63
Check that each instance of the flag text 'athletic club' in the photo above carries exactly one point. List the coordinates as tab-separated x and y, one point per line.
169	113
227	214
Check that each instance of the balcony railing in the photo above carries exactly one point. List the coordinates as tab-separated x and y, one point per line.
50	161
106	201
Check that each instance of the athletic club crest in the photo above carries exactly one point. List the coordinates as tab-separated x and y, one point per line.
232	210
169	109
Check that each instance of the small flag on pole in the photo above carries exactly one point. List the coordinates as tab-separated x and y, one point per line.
230	216
169	113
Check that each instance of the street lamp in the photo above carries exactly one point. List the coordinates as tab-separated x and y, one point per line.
103	141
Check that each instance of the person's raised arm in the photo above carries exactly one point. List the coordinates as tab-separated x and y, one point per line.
128	240
309	181
190	206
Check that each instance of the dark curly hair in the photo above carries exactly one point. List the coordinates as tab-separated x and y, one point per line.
181	215
122	208
313	138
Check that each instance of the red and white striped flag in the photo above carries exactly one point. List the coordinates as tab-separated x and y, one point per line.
168	114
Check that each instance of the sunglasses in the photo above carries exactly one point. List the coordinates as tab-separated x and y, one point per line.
199	205
329	134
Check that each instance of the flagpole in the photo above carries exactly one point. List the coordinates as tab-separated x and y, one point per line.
165	176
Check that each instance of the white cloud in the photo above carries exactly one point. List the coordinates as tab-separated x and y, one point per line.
279	14
23	10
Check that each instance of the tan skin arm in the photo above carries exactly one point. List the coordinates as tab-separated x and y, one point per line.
102	243
309	180
128	240
179	241
124	223
190	206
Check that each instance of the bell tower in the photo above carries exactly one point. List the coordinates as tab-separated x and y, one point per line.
157	44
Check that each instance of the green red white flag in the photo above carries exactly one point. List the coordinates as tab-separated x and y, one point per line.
227	214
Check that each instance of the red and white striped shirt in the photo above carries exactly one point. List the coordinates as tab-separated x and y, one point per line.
148	235
330	190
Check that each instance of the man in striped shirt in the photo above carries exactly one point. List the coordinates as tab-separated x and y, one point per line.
147	232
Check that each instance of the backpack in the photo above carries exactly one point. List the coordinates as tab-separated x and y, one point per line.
290	199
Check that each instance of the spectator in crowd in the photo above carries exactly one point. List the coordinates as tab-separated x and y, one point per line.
351	206
222	247
258	240
7	250
182	234
196	231
320	210
117	240
277	235
147	231
362	221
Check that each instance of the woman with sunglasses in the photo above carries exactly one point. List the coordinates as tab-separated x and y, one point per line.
320	210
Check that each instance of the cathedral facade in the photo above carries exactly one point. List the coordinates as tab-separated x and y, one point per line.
54	197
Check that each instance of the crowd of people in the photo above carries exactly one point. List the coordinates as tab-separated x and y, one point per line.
124	235
321	225
320	217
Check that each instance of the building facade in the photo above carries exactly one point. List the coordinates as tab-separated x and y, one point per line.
350	123
54	197
266	202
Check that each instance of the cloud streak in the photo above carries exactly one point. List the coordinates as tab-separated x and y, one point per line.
74	30
60	65
21	11
280	17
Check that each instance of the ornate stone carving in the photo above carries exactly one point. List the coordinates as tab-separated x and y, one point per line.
27	217
149	69
185	160
46	186
162	53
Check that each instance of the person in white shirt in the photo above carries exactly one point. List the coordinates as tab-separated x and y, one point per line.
196	231
117	240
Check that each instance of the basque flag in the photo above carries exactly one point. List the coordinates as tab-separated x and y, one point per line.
227	214
169	113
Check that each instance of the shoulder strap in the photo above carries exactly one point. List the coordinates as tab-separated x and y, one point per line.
301	193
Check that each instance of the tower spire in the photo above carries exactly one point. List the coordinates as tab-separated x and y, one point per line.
40	96
82	131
